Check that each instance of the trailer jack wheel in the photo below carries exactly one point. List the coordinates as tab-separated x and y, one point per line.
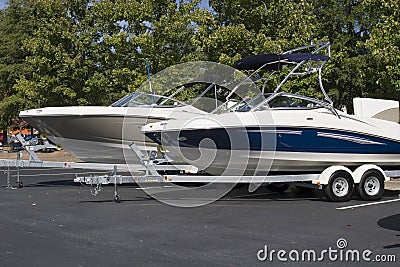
340	187
371	186
117	199
20	184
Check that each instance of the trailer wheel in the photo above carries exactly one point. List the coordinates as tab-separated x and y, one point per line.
339	187
371	186
277	187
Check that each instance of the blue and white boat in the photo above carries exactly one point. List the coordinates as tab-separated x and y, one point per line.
281	133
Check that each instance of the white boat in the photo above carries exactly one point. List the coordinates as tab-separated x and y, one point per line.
104	133
283	133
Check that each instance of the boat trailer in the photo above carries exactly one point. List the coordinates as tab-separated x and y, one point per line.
336	181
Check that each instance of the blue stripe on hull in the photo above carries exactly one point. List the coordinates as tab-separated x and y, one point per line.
286	139
329	141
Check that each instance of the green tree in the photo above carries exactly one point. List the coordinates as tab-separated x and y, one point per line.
92	52
384	44
80	52
258	27
348	25
60	52
16	25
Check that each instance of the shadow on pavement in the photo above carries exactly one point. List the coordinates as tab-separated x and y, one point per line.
391	222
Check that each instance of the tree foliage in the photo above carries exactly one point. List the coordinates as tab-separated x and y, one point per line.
90	52
16	26
384	45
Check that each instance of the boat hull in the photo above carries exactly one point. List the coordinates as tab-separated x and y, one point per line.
95	138
262	163
102	134
305	145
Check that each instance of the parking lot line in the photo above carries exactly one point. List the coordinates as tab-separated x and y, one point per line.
368	204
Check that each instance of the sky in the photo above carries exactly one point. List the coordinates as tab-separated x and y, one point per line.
2	3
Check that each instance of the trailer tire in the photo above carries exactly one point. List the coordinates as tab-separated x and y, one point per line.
340	186
277	187
371	186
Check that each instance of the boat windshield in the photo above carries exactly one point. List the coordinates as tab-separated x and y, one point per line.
123	101
288	101
243	105
140	99
292	102
204	96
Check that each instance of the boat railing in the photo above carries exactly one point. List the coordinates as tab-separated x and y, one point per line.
308	70
295	71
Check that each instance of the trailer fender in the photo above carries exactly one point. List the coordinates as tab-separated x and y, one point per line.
324	177
359	172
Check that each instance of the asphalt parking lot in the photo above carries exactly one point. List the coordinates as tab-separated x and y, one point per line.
53	222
